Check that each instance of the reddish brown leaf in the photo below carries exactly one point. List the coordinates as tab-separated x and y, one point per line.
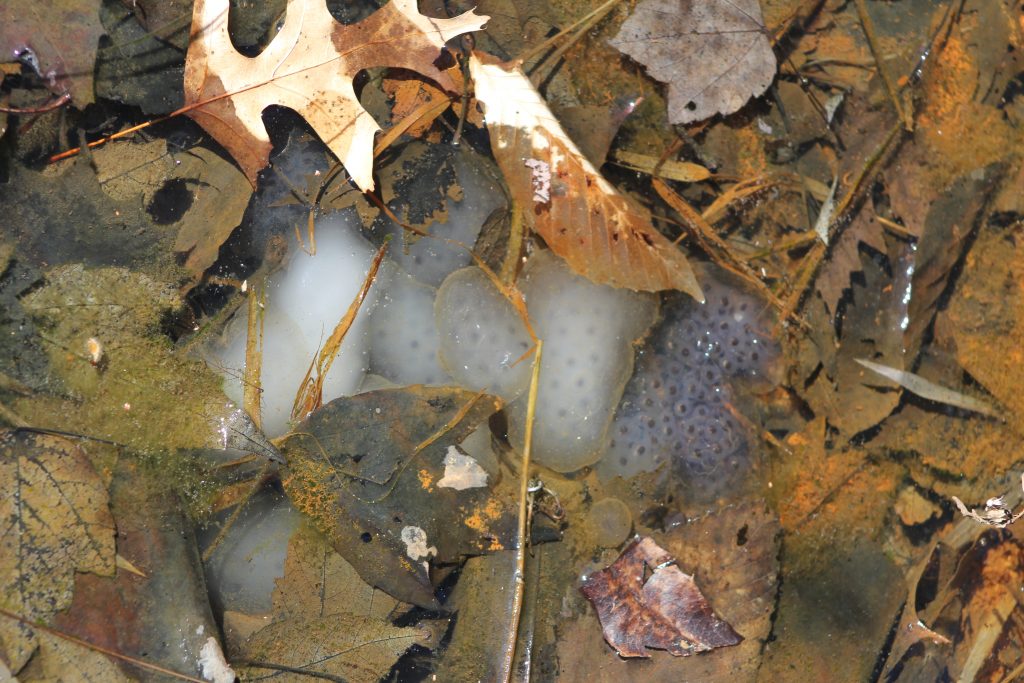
601	233
667	611
309	67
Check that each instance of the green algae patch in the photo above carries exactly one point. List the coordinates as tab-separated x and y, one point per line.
116	377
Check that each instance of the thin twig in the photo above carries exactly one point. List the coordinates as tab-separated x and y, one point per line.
235	514
533	52
102	650
890	86
252	389
290	669
49	106
522	532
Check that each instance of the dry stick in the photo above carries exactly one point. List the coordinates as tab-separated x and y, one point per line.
252	388
522	530
102	650
890	87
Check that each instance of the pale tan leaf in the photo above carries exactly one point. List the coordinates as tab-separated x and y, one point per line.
56	521
714	54
309	67
601	233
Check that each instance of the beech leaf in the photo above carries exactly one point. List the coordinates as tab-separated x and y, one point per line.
602	234
667	611
713	54
309	67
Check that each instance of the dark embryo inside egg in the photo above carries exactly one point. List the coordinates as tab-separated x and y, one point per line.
678	409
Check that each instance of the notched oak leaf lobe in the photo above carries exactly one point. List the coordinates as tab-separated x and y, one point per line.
713	54
308	67
602	234
667	611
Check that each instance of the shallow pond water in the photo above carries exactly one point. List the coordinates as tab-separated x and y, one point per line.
261	421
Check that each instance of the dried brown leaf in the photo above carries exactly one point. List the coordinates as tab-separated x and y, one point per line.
309	67
56	522
667	611
713	54
601	233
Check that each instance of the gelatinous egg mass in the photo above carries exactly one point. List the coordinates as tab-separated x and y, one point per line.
678	408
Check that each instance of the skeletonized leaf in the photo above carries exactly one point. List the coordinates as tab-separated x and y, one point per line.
929	390
714	54
666	611
601	233
56	521
309	67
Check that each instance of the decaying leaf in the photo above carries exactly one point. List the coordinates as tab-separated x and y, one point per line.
327	620
666	611
367	469
198	192
309	67
164	600
872	324
58	40
601	233
714	54
56	522
63	661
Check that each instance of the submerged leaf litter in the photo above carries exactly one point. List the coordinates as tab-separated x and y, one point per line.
267	365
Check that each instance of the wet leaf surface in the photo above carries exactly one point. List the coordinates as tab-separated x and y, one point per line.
160	612
602	234
194	191
56	522
61	39
714	55
366	469
326	619
308	67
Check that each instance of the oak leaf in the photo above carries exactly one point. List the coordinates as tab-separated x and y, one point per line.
56	522
666	611
601	233
309	67
714	54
